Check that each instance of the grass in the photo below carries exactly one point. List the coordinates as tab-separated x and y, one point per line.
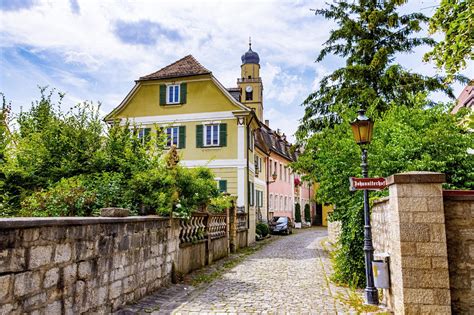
352	298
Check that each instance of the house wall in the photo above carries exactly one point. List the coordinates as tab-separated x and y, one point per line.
202	96
281	188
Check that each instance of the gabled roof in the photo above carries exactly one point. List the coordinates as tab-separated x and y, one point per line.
187	66
277	143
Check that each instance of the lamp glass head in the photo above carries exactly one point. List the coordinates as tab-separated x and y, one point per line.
362	128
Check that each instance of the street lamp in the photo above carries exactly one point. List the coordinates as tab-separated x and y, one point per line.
362	129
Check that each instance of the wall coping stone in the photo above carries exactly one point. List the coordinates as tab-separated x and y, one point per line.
29	222
467	195
417	177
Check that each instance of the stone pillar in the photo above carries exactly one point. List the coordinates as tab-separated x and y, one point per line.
419	262
233	228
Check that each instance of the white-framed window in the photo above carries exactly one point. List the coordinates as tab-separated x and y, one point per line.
173	136
251	141
211	135
270	201
173	94
143	134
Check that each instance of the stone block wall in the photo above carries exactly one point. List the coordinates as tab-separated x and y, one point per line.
75	265
459	216
410	227
334	231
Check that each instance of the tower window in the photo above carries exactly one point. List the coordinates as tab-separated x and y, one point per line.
248	96
250	77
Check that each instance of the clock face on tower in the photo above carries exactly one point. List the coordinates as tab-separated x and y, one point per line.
248	88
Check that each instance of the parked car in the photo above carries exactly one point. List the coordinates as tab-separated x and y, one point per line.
281	225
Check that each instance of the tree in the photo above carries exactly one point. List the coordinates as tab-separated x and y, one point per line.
454	18
297	213
406	138
369	35
72	164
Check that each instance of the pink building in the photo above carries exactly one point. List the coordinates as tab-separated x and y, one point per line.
304	195
466	98
281	199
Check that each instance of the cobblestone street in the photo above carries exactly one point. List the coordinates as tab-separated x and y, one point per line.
289	275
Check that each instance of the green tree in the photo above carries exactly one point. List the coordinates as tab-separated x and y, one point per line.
72	164
406	138
455	19
307	213
368	37
297	213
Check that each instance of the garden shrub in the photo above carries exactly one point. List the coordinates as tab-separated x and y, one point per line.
262	229
307	213
297	213
220	204
72	164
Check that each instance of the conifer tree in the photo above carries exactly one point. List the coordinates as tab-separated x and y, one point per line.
370	34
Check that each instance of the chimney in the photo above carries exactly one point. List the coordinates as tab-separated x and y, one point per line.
267	122
278	131
284	137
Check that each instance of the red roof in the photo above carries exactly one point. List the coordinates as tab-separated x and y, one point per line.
187	66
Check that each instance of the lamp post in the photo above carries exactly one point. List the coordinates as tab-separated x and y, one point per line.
362	129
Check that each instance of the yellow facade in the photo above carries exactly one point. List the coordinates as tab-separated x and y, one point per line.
203	96
205	102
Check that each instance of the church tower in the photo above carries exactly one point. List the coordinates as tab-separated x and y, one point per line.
250	83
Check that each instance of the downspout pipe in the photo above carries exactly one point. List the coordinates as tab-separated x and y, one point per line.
267	181
248	171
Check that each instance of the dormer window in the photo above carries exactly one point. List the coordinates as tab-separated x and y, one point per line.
172	94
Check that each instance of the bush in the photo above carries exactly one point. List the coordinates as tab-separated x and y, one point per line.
220	204
263	229
78	196
73	164
297	213
69	197
307	213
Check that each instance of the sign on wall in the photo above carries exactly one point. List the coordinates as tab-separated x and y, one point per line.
378	183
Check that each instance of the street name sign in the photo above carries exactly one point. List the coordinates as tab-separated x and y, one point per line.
378	183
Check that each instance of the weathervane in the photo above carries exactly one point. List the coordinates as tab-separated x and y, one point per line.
250	42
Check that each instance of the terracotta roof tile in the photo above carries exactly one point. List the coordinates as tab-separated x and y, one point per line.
186	66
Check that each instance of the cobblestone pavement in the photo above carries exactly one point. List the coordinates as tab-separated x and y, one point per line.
287	276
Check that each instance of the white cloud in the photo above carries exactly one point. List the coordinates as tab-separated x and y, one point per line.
83	56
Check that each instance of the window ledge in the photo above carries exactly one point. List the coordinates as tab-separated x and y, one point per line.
212	147
172	105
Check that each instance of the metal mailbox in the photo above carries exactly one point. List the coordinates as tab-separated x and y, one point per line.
380	267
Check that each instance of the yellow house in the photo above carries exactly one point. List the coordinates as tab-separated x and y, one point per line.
210	125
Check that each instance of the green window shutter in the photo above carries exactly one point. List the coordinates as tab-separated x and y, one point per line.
199	132
182	137
183	92
223	186
162	94
223	135
251	193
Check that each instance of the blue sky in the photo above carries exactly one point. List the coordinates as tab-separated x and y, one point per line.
94	50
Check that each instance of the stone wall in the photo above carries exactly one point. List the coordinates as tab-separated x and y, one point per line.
430	242
75	265
459	216
334	231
